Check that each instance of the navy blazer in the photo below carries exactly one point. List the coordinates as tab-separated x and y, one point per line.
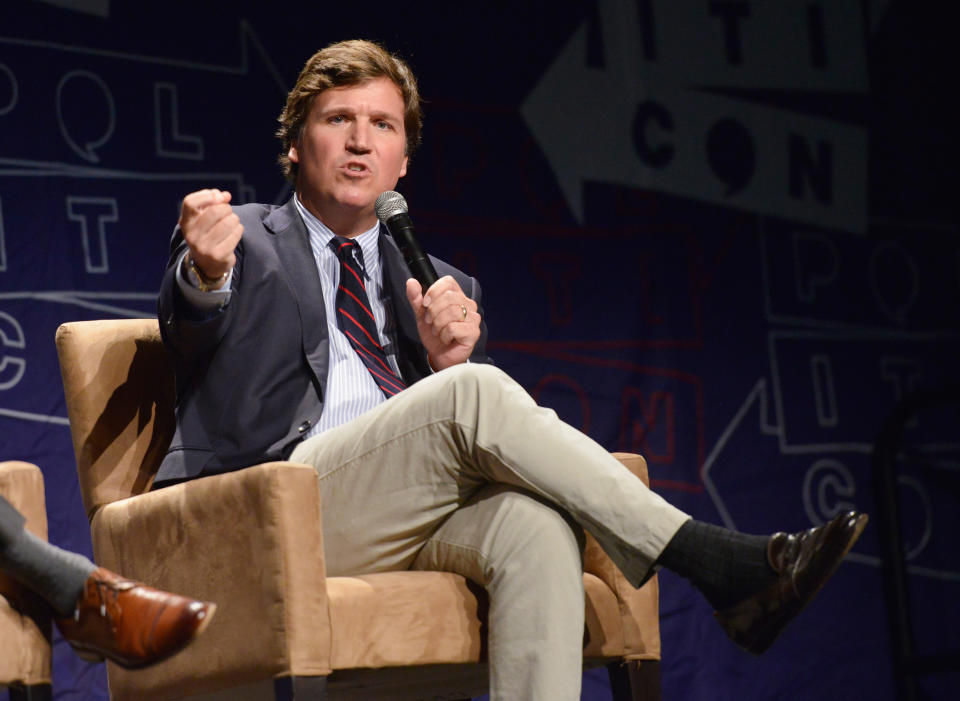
251	378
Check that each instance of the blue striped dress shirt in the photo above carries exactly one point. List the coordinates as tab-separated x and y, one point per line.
350	388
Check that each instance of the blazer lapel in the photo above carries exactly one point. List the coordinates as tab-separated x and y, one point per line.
293	248
412	358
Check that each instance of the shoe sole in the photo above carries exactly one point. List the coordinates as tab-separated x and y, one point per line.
759	641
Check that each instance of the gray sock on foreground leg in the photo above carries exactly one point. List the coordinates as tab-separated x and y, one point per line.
55	574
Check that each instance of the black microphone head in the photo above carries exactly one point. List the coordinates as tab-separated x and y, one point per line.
389	204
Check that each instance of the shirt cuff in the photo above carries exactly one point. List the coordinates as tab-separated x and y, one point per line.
209	301
434	372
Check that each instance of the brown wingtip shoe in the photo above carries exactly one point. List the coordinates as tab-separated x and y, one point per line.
130	623
803	562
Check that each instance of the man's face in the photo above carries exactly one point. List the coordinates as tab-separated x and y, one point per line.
352	149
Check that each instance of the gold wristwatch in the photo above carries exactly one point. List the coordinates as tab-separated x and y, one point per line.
204	283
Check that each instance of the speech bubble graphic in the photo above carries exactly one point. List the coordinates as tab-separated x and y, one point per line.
79	93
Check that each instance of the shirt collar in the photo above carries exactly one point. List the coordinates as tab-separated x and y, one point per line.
321	234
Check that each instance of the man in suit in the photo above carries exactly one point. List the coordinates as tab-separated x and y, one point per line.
294	331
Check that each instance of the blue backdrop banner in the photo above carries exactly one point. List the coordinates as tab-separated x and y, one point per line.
715	233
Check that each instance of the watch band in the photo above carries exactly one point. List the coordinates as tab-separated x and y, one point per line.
204	283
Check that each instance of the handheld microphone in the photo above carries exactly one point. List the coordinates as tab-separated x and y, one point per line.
391	210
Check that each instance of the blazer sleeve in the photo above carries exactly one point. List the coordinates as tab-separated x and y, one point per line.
187	332
479	354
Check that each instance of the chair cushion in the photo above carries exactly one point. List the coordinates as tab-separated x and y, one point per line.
422	618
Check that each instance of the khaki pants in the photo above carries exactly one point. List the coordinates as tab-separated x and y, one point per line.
464	473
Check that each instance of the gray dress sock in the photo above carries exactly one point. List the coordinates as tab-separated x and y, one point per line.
55	574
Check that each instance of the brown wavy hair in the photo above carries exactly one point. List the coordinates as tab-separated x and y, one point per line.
337	65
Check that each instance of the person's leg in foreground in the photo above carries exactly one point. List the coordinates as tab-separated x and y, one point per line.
101	614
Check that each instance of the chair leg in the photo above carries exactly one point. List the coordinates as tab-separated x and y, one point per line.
635	680
34	692
300	689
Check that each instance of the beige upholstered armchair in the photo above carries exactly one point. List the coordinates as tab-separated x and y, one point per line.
24	617
251	541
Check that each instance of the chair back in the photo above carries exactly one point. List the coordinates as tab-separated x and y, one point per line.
119	390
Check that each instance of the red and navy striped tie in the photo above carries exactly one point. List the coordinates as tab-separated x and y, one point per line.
356	320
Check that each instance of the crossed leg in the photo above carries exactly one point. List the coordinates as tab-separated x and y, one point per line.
392	476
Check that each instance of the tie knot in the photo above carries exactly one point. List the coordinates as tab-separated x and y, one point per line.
350	255
344	247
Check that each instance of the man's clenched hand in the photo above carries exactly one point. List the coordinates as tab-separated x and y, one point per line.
211	230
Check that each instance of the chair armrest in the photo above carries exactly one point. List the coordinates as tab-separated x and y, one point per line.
21	483
639	608
249	541
24	617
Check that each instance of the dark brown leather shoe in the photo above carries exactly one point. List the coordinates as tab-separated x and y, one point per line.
129	623
803	562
